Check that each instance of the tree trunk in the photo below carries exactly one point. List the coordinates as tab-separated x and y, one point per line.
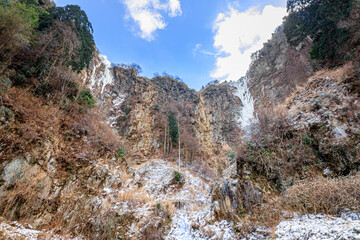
179	141
165	139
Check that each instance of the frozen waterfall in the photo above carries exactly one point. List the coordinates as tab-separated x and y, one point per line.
247	112
102	77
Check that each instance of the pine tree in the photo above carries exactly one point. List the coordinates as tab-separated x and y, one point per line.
173	129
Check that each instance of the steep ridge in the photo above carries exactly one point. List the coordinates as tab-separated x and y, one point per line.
138	108
278	69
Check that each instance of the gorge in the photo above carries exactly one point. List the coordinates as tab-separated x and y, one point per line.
101	152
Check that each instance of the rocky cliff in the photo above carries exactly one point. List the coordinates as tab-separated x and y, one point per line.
278	69
138	108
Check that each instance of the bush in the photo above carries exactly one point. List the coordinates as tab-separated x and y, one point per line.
178	177
86	98
324	195
120	153
17	23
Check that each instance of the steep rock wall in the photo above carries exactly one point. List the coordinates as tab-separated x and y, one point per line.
138	108
277	69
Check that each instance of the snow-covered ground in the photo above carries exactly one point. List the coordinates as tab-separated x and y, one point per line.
319	227
14	230
313	227
191	218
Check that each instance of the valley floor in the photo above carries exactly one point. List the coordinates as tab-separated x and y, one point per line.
192	218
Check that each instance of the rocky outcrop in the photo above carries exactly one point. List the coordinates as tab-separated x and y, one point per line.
223	112
138	108
329	106
234	198
277	69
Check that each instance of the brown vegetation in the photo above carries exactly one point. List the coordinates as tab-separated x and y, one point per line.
331	196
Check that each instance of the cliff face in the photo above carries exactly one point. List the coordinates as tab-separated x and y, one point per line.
277	70
139	107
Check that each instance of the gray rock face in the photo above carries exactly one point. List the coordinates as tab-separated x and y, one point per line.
235	197
14	171
138	108
277	69
223	109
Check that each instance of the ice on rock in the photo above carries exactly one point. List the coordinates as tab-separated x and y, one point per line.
247	112
103	77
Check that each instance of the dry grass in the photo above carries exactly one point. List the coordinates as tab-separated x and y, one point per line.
134	197
38	121
26	196
319	195
324	195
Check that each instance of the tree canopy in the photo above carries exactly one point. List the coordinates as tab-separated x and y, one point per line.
78	20
318	21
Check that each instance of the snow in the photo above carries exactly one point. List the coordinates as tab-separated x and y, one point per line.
15	230
313	227
102	78
247	112
319	227
181	228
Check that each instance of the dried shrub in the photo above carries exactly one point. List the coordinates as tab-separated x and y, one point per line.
324	195
35	122
271	124
276	151
135	198
152	232
26	196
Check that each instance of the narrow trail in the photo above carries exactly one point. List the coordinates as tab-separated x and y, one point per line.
182	227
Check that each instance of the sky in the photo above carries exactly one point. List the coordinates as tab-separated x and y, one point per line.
196	40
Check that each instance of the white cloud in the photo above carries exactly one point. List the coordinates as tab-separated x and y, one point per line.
148	14
239	34
198	48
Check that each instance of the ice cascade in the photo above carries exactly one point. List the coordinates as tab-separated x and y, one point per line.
247	112
102	78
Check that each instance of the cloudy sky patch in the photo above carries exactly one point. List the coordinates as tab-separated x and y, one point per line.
148	15
239	34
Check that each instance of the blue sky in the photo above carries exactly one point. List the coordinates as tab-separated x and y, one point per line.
197	40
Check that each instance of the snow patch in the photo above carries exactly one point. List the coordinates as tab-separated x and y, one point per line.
319	227
15	230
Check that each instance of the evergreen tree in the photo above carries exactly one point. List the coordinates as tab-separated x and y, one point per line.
318	21
173	129
78	20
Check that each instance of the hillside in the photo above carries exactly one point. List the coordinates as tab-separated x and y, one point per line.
93	150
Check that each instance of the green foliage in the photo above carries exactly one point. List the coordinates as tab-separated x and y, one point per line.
18	20
178	177
306	140
318	20
174	129
5	3
120	154
78	20
231	155
158	206
86	98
